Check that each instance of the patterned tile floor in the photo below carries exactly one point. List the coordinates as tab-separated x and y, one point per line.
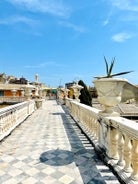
49	148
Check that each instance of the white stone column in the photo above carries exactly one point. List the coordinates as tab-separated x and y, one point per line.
121	161
22	92
13	92
127	154
28	91
113	143
134	175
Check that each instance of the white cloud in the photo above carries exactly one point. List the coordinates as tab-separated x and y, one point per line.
54	7
72	26
45	64
105	22
131	5
18	19
121	37
41	65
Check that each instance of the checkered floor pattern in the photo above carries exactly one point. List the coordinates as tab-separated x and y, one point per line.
49	148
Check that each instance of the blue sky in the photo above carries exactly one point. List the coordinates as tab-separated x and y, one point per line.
66	40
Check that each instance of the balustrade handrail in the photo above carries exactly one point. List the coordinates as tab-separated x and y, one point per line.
12	98
124	125
117	137
11	116
11	107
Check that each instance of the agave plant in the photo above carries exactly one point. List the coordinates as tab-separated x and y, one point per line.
109	70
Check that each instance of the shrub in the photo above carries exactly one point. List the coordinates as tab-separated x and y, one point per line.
85	96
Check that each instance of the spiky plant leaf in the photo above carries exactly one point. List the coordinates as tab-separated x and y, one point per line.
106	65
109	70
121	73
111	67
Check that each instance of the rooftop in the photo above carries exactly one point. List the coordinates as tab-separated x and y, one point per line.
128	110
51	148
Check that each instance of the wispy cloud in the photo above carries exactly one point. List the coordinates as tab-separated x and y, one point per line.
107	20
45	64
18	19
132	17
72	26
131	5
121	37
54	7
40	65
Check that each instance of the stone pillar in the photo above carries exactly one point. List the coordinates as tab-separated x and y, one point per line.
22	92
36	92
36	78
134	175
121	149
127	154
113	143
28	91
40	93
13	92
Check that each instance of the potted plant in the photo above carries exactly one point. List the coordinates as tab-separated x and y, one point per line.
109	89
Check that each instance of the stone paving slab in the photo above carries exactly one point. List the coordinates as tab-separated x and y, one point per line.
49	148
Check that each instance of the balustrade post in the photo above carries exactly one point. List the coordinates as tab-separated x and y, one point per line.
97	130
22	92
1	124
91	125
14	92
113	143
134	175
127	154
77	112
121	161
72	110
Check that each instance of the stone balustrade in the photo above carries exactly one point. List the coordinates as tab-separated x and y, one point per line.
115	138
12	116
14	99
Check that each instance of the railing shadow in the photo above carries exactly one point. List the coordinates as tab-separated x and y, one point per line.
82	153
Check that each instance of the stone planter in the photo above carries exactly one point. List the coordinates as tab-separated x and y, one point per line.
38	103
109	93
77	88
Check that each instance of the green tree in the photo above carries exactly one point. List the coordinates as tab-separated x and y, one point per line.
85	96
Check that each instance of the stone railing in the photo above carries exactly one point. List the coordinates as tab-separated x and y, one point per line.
61	100
115	138
12	116
9	99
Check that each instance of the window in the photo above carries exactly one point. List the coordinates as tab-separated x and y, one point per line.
1	93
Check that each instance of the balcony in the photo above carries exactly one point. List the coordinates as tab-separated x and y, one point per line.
71	131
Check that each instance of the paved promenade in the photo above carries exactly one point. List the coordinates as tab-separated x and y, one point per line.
49	148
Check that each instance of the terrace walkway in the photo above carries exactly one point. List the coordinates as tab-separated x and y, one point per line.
49	148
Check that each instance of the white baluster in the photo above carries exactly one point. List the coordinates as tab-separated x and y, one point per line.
121	161
127	154
113	144
134	175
